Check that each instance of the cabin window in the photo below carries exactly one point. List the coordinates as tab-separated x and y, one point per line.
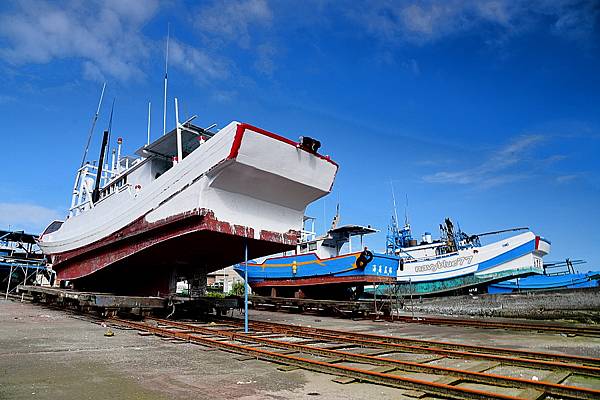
53	227
312	246
303	248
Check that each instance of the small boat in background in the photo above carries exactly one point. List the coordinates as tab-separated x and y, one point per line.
21	261
556	276
328	267
323	267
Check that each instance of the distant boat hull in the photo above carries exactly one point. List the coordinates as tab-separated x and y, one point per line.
519	255
545	282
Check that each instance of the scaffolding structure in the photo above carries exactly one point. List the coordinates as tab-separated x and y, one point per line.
22	262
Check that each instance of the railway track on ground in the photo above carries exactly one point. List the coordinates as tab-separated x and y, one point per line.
365	309
587	365
552	328
392	361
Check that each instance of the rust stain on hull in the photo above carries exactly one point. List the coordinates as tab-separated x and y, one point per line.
188	239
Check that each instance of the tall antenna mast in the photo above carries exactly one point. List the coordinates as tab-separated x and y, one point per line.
166	77
178	130
394	200
149	107
112	110
406	212
87	146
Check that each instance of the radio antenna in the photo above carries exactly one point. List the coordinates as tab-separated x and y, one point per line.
394	200
149	108
406	212
166	77
87	146
112	109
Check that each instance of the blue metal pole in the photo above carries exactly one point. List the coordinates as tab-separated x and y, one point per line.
246	286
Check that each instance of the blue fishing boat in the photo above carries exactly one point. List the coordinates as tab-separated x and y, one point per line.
457	261
327	266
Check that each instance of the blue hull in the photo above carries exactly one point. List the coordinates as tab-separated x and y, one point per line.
307	267
545	282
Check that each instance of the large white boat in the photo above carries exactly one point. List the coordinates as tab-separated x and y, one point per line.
188	204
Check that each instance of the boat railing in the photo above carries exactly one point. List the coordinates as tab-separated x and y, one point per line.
83	187
428	258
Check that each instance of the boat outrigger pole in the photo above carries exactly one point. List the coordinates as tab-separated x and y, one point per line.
166	79
524	228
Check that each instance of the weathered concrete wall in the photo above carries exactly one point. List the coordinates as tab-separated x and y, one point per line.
581	304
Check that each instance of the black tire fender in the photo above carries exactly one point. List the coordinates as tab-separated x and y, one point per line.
364	258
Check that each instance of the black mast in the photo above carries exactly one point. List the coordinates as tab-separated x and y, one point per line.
96	192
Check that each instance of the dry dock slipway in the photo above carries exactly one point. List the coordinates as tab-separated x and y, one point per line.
102	318
96	330
98	314
50	353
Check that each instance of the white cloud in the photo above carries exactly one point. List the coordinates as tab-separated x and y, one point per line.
499	167
566	178
4	99
25	216
198	63
420	22
233	20
265	62
105	35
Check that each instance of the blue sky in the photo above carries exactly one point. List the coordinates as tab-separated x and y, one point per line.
484	111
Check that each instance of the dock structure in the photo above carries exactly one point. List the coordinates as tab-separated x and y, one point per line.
21	261
110	304
106	304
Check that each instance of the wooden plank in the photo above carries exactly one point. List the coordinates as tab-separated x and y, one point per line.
448	380
554	377
379	352
336	346
286	368
481	366
344	380
245	358
530	394
384	369
557	376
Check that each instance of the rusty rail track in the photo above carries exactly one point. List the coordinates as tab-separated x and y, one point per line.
270	341
586	365
554	328
432	320
228	335
480	377
376	377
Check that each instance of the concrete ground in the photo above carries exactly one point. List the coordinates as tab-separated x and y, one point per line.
50	354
